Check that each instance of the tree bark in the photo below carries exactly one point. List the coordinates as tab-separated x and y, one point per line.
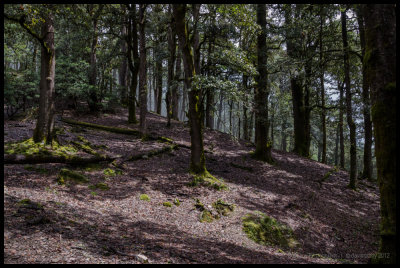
341	135
123	68
367	169
263	146
93	101
380	64
321	66
171	63
142	70
197	163
349	111
134	63
45	122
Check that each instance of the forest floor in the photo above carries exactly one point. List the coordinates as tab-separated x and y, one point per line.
332	223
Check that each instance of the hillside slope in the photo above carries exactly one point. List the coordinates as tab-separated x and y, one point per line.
84	224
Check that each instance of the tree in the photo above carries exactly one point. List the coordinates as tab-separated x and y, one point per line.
133	62
349	112
263	145
367	170
93	101
171	86
45	123
380	64
197	162
142	70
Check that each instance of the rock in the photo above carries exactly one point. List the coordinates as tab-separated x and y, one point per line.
142	258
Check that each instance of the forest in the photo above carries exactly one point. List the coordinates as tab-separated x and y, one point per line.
199	133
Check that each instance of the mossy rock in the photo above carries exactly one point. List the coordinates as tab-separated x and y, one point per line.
223	208
144	197
268	231
206	179
101	185
167	204
109	172
66	174
206	216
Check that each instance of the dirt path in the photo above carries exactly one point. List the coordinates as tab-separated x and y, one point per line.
332	223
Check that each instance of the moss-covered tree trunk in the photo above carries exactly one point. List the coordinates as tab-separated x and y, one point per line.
45	122
367	170
175	87
380	64
263	146
197	162
349	111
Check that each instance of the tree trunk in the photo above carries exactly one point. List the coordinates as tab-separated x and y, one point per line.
142	71
197	163
321	66
175	87
93	101
123	68
349	112
45	122
171	63
263	146
134	63
380	64
341	135
367	170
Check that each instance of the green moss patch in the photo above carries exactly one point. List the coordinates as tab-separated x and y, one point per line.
223	208
206	216
101	185
108	172
165	140
144	197
177	202
40	170
268	231
27	203
29	147
66	174
206	179
167	204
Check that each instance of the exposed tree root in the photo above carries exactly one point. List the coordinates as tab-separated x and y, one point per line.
102	127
